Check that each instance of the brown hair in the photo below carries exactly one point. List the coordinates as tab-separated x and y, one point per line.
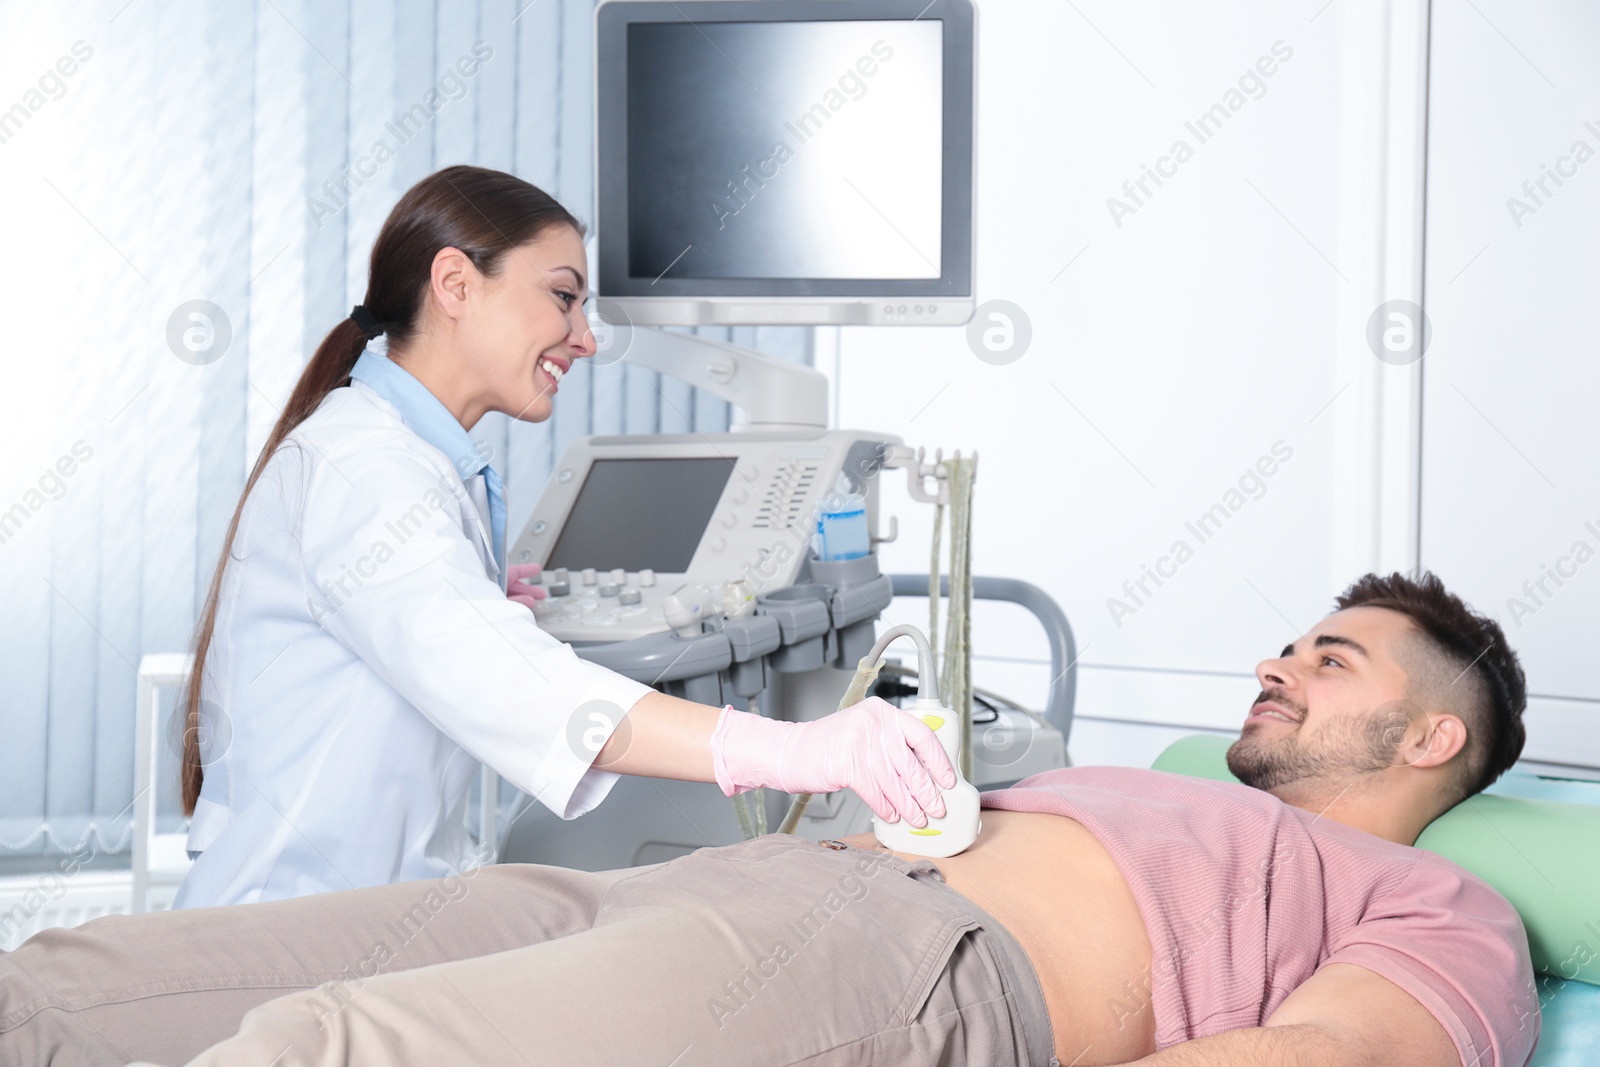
1461	640
484	214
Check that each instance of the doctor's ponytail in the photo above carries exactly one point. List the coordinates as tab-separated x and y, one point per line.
484	214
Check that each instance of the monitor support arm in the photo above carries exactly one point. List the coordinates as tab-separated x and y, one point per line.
767	393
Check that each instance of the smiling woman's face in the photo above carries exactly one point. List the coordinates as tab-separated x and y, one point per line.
529	327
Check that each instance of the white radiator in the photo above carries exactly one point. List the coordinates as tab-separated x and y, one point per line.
33	902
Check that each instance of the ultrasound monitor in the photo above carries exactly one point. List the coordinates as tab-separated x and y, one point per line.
641	514
785	161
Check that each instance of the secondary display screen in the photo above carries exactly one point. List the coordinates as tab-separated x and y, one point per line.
803	150
641	513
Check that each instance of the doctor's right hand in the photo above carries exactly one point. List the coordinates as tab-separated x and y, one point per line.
886	754
520	591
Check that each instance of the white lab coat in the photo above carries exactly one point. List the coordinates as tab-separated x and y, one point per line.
365	659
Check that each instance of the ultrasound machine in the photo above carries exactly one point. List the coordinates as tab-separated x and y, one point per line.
805	162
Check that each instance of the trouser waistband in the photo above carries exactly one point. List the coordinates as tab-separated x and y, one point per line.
1029	1015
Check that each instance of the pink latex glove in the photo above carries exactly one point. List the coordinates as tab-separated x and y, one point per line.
886	754
519	591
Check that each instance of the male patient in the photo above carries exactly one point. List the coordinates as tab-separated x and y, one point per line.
1105	916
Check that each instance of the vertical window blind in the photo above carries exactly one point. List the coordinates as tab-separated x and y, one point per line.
156	153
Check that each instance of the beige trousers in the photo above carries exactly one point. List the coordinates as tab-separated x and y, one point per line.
770	952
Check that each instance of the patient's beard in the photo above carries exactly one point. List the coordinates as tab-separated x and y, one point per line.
1347	747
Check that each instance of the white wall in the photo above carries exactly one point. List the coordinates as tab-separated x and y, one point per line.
1511	382
1172	352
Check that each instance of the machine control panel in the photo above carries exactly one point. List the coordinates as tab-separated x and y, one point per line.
613	611
639	535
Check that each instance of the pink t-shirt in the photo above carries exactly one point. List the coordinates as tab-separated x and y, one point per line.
1245	897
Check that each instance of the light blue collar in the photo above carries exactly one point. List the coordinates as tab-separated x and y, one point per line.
421	410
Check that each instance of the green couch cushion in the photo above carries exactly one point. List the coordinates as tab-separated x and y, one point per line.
1542	855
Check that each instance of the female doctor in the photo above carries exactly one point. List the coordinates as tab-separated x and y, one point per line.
359	652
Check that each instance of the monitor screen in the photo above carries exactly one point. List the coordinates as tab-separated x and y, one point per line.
784	161
641	513
785	149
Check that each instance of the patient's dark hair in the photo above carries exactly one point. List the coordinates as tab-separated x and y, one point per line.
1457	644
